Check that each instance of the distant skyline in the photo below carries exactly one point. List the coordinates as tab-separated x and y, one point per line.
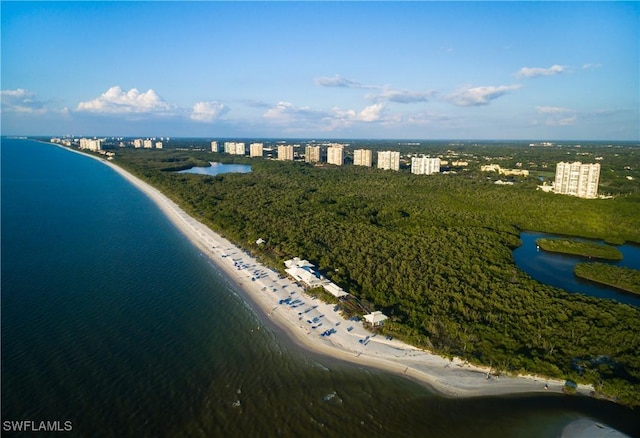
423	70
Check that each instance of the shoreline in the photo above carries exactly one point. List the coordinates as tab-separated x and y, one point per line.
305	320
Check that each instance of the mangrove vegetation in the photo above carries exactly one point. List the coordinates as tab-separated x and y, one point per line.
584	249
622	278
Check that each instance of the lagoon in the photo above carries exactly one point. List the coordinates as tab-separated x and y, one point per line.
556	269
219	168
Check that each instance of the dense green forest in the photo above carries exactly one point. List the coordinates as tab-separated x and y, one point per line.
585	249
432	252
622	278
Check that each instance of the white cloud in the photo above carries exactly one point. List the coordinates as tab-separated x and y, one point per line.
286	112
534	72
305	118
208	111
386	95
21	101
117	101
591	66
557	116
565	121
371	113
476	96
339	118
279	111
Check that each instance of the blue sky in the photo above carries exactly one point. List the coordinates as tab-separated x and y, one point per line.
423	70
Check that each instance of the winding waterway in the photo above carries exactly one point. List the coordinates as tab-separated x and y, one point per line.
556	269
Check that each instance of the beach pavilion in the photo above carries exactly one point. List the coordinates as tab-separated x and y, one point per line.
302	271
376	318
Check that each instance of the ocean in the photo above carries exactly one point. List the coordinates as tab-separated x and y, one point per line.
114	322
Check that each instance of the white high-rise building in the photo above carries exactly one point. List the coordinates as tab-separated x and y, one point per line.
158	145
234	148
362	157
148	144
256	149
137	143
312	154
389	160
577	179
335	154
214	146
285	153
425	166
90	144
241	149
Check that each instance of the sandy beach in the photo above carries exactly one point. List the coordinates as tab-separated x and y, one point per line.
304	319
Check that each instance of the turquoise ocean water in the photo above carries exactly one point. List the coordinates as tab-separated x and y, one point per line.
112	320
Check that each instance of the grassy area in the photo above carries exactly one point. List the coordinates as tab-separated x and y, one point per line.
585	249
619	277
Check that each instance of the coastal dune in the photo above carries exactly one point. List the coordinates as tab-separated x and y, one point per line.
306	319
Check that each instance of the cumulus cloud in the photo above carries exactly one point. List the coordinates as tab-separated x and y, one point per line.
286	111
338	118
477	96
305	118
534	72
208	111
22	101
299	119
340	82
371	113
557	116
117	101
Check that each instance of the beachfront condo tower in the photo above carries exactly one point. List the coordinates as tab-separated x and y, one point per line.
90	144
577	179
